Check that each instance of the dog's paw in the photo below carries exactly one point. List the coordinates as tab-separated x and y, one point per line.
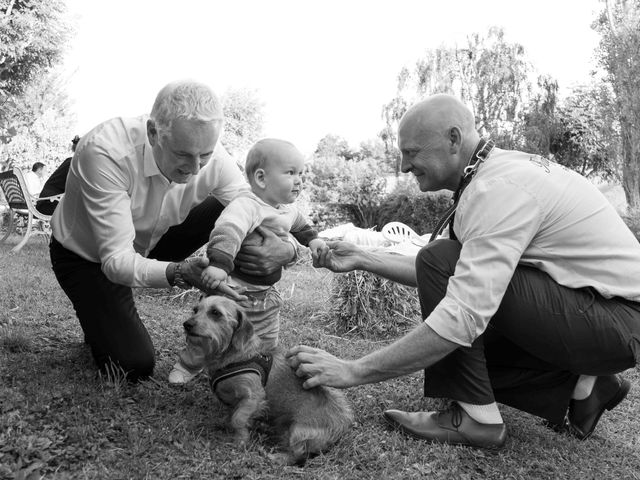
282	459
287	459
241	438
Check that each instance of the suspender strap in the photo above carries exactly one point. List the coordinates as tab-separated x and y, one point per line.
482	151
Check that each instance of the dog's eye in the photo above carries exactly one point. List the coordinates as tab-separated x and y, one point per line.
214	311
195	309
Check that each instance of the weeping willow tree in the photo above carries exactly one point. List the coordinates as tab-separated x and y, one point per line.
488	73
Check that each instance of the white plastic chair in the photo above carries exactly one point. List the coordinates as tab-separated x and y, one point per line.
398	232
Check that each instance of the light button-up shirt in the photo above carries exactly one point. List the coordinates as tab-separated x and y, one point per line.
117	203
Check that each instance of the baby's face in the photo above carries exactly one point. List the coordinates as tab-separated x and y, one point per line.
283	178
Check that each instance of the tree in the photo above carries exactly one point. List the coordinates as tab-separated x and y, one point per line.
584	137
42	125
372	148
538	123
489	74
244	120
33	37
332	145
619	54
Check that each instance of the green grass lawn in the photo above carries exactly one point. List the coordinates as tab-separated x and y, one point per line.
58	419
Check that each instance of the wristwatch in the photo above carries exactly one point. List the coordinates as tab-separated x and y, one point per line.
178	279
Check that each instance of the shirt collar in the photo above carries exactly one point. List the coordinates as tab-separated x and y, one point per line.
150	167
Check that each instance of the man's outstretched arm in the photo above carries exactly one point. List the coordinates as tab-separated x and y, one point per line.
418	349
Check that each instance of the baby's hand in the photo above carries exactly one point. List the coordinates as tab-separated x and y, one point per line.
212	277
317	247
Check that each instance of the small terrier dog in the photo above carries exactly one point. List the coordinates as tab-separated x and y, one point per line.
307	422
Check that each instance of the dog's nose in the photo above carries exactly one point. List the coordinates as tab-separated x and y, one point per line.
187	326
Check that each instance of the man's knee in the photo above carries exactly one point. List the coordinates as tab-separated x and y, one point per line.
439	256
133	367
435	263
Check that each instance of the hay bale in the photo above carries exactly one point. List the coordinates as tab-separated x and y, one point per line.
367	305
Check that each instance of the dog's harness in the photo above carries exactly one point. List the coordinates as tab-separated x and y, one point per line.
260	365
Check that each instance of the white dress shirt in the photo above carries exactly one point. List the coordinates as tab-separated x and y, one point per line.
117	203
33	183
523	209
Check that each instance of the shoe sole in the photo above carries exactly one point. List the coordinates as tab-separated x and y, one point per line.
620	395
403	429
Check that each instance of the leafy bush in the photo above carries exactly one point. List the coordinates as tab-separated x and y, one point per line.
355	188
406	204
325	216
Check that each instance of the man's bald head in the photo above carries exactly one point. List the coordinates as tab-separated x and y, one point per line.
438	114
437	137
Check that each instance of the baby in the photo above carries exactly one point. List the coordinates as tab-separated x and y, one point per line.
273	168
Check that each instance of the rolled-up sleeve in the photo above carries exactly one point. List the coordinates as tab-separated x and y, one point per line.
104	187
495	222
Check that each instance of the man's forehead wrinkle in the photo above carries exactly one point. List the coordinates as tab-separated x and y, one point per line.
419	139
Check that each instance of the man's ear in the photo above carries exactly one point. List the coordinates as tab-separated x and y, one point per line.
152	132
455	139
258	177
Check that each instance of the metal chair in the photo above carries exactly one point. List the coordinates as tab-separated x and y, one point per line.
20	204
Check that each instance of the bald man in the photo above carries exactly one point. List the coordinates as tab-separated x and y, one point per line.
532	301
142	194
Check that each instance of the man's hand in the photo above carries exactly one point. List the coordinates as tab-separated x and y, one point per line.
338	257
263	252
192	270
321	368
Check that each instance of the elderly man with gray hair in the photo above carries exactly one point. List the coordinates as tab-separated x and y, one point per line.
143	194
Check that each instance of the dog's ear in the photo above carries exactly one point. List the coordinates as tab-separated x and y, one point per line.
243	332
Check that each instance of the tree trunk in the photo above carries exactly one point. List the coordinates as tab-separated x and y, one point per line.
631	167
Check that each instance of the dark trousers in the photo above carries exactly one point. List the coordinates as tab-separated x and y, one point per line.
541	339
107	311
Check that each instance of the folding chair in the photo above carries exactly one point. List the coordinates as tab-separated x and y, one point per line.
21	204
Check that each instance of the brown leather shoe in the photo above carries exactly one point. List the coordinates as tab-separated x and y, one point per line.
452	426
608	392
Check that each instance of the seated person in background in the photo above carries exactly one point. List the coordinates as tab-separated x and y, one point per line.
55	183
274	169
33	178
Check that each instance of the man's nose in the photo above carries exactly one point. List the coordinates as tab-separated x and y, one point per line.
405	166
194	165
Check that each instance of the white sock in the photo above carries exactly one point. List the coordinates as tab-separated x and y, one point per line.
488	413
584	387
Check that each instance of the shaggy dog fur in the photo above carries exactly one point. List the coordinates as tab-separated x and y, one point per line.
307	422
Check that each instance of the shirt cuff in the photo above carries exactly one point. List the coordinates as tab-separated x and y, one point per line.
157	275
453	323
